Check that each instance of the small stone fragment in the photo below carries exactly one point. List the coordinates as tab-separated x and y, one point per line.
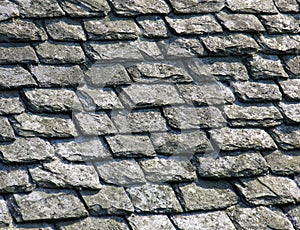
287	137
197	6
291	89
287	6
293	65
293	213
15	77
5	218
8	10
10	103
158	222
17	54
6	131
280	23
252	6
153	26
291	112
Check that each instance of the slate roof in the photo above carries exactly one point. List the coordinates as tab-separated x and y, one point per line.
149	114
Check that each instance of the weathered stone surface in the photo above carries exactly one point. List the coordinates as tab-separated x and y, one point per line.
60	53
29	125
17	53
291	89
287	5
171	169
111	29
15	77
6	131
153	26
260	116
158	222
197	6
269	190
280	23
287	137
10	103
137	7
154	198
29	226
293	213
65	30
240	22
47	205
236	139
130	145
194	25
230	44
5	218
8	10
51	75
93	124
85	8
26	150
256	91
201	221
258	218
121	172
108	200
293	65
252	6
233	165
291	112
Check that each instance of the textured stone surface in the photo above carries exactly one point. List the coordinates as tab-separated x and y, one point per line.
6	131
5	218
8	10
15	77
17	53
197	6
292	65
287	6
280	23
153	26
291	89
291	112
287	137
293	213
10	103
252	6
159	222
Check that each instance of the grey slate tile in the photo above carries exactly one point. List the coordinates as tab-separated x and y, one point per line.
153	26
190	7
148	222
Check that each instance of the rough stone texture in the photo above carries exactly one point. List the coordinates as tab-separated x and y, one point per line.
291	89
10	103
293	213
29	226
47	205
238	139
8	10
5	218
6	131
15	77
17	53
108	200
252	6
233	165
291	112
154	198
292	65
121	172
197	6
153	26
159	222
280	23
26	150
29	125
287	137
287	6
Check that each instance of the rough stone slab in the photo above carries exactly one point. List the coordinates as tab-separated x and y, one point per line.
171	169
85	8
153	26
65	30
287	137
6	131
233	165
293	213
234	44
29	226
257	92
121	172
287	6
29	125
60	53
292	65
252	6
149	222
291	112
254	116
109	200
10	103
139	121
93	124
111	29
194	25
138	7
5	218
203	221
130	145
258	218
15	53
237	139
291	89
8	10
269	190
15	77
280	23
82	149
240	22
154	198
47	205
284	163
26	150
52	75
197	6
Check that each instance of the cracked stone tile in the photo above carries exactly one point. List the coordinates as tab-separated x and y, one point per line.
6	131
8	10
292	64
291	112
252	6
149	222
109	200
287	137
293	213
5	218
197	6
17	53
10	103
285	6
291	89
15	77
280	23
153	26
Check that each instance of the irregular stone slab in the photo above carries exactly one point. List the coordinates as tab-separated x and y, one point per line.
6	131
201	221
138	7
17	54
108	200
194	25
197	6
56	204
29	125
15	77
60	53
8	10
153	26
111	29
287	6
130	145
52	75
159	222
5	218
291	89
82	149
154	198
29	226
172	169
287	137
258	218
201	195
269	190
238	139
52	100
292	65
257	92
280	23
231	165
259	116
93	124
284	163
121	172
85	8
293	213
65	30
26	150
252	6
291	112
234	44
10	103
240	22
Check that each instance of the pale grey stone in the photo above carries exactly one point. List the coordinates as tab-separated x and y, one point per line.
153	26
287	137
6	131
8	10
293	213
291	112
197	6
293	65
159	222
29	226
280	23
5	218
10	103
15	77
291	89
287	5
17	54
252	6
